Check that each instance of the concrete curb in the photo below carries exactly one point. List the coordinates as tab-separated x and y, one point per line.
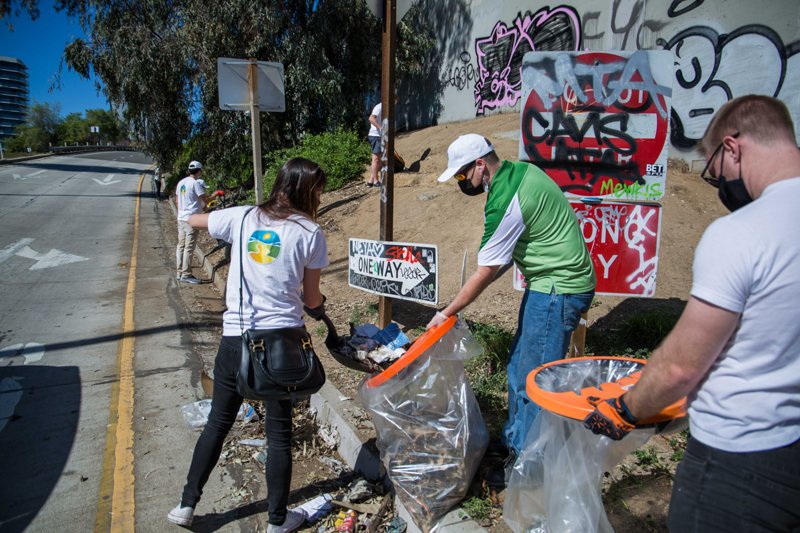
331	407
23	159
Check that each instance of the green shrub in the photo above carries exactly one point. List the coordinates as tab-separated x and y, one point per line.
487	373
342	155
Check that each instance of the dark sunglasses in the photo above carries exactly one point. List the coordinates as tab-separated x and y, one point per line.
461	175
705	174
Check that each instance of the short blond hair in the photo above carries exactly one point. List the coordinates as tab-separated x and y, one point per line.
762	118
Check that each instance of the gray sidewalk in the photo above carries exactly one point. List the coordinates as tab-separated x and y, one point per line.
332	407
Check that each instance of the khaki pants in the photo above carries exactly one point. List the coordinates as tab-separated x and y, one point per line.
187	237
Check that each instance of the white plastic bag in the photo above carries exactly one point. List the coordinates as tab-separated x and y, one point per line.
430	431
196	414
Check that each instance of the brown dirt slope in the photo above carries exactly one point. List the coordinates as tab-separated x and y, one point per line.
429	212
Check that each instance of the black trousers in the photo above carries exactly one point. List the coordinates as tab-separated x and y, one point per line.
224	407
716	490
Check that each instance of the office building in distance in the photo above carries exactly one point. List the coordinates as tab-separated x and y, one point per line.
14	94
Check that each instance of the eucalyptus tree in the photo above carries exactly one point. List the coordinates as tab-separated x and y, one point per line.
157	60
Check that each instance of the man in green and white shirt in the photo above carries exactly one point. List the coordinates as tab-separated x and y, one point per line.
527	220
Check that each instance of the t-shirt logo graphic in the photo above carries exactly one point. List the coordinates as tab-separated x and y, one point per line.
263	246
183	190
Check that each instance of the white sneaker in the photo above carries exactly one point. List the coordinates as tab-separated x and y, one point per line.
188	278
294	519
182	516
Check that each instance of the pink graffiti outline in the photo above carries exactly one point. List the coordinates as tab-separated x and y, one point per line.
508	94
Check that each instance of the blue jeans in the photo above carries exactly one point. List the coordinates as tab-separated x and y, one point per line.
224	407
546	322
716	490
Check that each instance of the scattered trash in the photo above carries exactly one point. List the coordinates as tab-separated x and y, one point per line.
330	436
396	525
334	464
196	414
346	521
317	508
253	442
360	490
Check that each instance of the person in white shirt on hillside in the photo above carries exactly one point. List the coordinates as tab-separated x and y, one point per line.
375	143
190	199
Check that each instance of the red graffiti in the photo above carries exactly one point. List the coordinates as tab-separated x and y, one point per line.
402	253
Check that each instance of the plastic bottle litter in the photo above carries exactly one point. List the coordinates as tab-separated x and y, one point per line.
196	414
346	521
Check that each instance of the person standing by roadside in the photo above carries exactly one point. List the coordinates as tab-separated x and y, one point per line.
735	351
283	257
157	182
190	199
376	144
528	220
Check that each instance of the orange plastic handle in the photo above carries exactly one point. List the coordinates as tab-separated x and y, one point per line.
575	405
423	342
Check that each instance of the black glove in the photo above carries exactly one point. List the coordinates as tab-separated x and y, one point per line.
610	418
316	312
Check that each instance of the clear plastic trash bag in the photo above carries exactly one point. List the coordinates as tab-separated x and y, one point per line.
555	484
430	431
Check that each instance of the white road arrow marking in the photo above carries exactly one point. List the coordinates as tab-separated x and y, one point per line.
12	249
107	180
53	258
31	175
10	394
31	351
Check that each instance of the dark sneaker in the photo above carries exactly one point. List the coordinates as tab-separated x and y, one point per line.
188	278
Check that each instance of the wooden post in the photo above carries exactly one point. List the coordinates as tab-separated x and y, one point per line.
388	43
255	129
577	345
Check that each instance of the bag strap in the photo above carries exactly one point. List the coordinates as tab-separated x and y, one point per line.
241	268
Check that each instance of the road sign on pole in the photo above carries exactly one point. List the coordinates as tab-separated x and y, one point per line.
254	86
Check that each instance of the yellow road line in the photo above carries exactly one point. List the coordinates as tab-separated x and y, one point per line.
116	504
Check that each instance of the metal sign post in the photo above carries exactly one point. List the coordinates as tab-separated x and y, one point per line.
254	86
255	128
388	44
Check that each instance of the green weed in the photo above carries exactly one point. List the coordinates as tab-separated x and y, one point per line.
479	509
636	336
487	373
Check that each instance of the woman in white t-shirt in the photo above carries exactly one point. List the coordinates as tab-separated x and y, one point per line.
281	266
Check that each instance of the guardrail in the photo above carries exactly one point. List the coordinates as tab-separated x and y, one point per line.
107	148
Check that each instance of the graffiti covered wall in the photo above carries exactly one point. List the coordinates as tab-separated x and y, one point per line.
721	49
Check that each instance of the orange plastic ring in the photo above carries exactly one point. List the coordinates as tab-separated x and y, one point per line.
576	405
423	342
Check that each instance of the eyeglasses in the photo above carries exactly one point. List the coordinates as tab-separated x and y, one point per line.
706	174
461	175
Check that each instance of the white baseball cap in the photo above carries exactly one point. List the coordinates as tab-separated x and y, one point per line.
464	150
195	165
203	183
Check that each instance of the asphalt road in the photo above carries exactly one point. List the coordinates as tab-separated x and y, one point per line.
98	349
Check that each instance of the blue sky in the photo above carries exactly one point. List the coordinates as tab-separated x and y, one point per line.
40	45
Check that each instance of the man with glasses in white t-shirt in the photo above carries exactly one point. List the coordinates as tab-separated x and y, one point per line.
735	352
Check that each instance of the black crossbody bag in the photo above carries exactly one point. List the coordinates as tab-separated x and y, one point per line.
276	364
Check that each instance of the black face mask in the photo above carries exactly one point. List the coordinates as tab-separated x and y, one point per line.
733	193
469	189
